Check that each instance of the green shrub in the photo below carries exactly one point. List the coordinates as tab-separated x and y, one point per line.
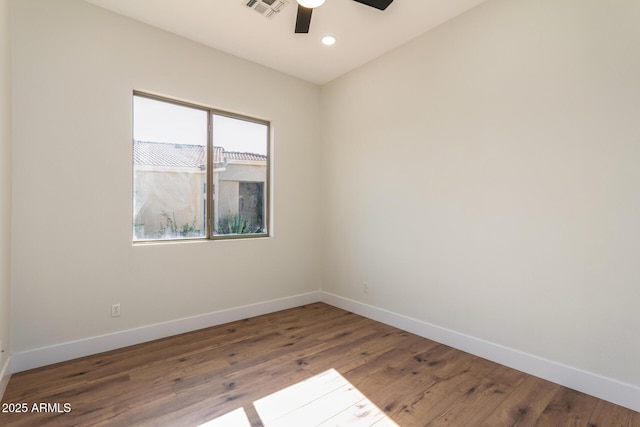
236	224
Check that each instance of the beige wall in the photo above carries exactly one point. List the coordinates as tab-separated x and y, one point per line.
5	180
76	66
484	178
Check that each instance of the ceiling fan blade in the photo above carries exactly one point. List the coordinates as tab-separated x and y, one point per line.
303	20
378	4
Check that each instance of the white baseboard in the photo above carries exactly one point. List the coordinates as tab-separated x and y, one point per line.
608	389
85	347
5	375
620	393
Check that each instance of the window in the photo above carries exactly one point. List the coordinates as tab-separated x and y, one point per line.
198	173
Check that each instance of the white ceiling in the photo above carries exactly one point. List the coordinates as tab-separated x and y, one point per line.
363	32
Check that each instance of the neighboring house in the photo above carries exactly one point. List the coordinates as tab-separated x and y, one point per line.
170	188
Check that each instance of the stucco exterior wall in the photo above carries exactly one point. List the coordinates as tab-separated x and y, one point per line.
164	196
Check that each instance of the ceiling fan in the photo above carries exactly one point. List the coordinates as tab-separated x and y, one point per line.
305	9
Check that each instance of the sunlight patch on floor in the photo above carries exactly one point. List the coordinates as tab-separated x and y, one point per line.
325	400
237	418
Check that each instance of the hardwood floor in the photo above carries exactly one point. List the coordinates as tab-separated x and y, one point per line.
242	368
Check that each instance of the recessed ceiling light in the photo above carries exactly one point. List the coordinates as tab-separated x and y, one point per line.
310	3
328	40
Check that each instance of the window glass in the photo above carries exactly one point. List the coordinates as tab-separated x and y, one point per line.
190	184
239	176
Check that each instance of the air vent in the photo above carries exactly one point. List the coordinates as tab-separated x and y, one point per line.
267	8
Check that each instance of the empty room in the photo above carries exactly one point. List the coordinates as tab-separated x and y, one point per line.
211	214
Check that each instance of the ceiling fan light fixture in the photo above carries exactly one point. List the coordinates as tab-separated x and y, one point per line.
310	4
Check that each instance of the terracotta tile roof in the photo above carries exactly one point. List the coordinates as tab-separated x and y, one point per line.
161	154
184	155
218	154
236	155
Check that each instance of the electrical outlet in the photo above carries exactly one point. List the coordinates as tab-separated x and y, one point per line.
115	310
365	287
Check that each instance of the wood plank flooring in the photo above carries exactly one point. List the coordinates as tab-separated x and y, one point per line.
196	378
